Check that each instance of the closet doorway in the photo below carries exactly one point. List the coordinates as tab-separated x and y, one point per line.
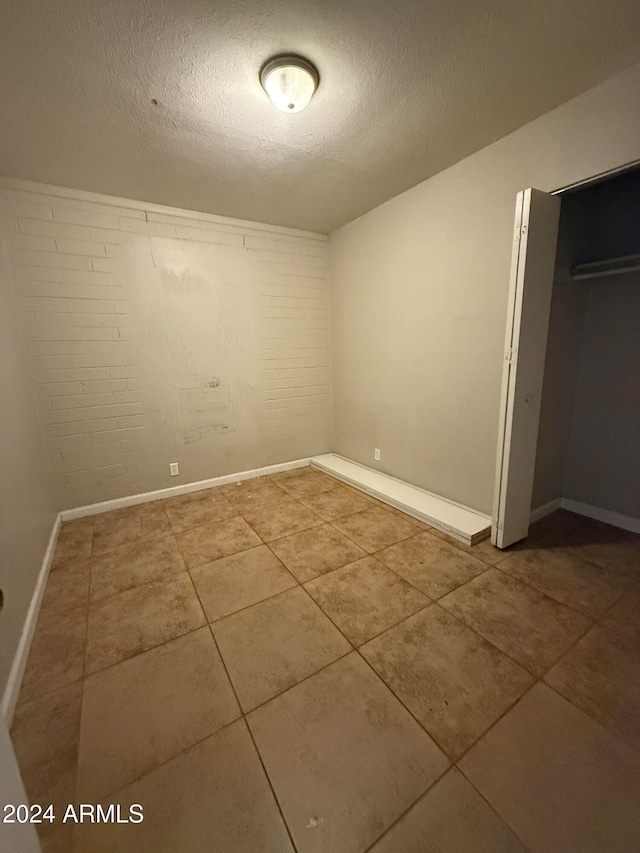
570	403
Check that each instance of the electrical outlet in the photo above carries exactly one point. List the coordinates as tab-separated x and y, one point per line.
376	454
174	469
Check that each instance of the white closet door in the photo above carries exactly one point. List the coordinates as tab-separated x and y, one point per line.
530	288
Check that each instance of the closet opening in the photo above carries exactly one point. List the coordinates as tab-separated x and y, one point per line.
570	406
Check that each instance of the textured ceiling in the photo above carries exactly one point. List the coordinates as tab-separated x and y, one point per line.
407	88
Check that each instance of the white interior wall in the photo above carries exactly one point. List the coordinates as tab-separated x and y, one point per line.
28	505
161	336
419	296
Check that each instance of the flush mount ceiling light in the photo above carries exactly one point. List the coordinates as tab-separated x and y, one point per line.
290	82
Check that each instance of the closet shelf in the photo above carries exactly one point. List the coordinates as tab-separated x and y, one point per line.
610	266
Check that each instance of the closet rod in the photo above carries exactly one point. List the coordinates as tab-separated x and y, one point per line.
611	266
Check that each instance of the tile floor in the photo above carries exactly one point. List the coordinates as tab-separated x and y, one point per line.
285	664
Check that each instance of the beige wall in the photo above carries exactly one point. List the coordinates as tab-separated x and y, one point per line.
419	289
28	505
161	336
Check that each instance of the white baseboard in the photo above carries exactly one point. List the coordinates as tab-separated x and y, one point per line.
616	519
14	682
545	509
466	525
173	491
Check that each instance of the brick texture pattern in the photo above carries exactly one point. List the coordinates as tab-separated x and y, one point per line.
66	258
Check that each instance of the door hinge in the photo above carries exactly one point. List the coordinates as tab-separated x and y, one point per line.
510	356
520	231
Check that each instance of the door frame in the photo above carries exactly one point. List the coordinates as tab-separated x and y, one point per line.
505	423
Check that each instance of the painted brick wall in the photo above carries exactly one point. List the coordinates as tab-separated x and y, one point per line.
120	391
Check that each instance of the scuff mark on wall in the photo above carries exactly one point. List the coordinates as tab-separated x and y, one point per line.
202	432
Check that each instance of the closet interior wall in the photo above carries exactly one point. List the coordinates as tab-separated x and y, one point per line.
588	448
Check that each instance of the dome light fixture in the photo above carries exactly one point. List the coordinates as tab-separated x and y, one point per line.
290	82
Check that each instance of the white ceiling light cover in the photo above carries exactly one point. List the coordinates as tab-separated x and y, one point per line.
290	82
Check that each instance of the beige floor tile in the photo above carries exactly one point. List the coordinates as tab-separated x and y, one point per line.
308	482
587	540
419	525
530	627
129	525
290	473
134	565
585	587
141	712
344	756
247	487
623	620
74	543
197	508
484	550
336	503
45	735
240	580
281	520
558	778
621	553
133	621
603	679
59	840
360	493
365	598
451	818
295	640
213	797
454	682
431	564
211	542
67	586
257	494
57	652
567	530
316	551
375	528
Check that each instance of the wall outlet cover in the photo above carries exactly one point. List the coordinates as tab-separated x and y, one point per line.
174	469
376	454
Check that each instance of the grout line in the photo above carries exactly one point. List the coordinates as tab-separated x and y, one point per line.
144	651
548	595
355	542
500	816
524	666
623	739
254	603
537	678
302	680
248	728
408	809
270	783
111	794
